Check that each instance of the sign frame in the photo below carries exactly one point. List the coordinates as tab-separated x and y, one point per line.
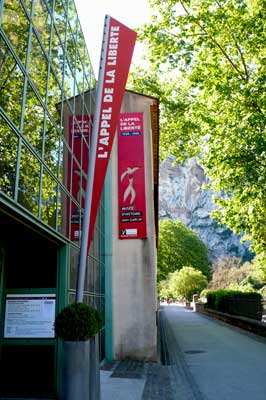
29	316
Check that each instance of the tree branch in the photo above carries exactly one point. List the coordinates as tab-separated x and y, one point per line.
236	44
233	65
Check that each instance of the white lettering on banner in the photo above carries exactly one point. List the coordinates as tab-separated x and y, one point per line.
109	79
111	75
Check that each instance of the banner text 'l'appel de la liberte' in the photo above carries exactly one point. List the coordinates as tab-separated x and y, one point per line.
118	50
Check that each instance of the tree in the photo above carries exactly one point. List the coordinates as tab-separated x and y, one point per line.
230	273
207	65
179	246
186	282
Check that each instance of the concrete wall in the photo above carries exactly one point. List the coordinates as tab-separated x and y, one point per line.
134	261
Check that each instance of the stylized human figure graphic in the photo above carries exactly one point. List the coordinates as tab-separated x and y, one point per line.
130	191
81	193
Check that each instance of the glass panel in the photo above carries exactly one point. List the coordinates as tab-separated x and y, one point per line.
74	256
16	26
89	76
71	51
29	181
52	143
11	84
49	199
49	4
42	22
33	120
80	43
8	158
75	228
68	82
77	190
68	106
72	15
67	164
63	223
57	55
60	18
90	275
79	77
71	298
38	66
102	279
61	168
54	98
96	241
28	4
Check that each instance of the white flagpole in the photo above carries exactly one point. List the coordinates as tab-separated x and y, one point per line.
91	169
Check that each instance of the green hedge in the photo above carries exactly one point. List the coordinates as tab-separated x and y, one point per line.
237	303
77	322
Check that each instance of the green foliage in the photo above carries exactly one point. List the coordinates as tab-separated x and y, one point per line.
77	322
164	289
186	282
206	63
179	246
230	273
236	302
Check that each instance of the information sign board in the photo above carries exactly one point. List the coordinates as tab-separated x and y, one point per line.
29	316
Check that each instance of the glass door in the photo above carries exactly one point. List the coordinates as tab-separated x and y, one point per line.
2	258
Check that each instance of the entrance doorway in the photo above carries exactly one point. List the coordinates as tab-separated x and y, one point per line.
28	289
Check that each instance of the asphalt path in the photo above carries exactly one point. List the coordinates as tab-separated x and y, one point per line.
210	360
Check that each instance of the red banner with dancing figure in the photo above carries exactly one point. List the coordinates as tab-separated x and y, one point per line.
79	137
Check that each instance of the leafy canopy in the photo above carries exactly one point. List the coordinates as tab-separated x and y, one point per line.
207	65
186	282
179	246
230	273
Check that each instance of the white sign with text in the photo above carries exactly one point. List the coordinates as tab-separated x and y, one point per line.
29	316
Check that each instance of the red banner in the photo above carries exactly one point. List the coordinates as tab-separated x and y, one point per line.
131	177
78	139
117	53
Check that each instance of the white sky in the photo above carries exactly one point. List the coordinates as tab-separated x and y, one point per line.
91	14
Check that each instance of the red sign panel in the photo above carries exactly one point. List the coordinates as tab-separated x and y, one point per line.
117	53
78	140
131	177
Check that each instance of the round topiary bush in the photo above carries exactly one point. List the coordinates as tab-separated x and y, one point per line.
77	322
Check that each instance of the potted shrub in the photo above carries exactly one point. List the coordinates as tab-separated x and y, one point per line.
77	325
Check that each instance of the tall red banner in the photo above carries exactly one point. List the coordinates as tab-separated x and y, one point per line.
117	53
131	177
78	132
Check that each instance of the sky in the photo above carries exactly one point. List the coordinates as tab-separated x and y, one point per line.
91	15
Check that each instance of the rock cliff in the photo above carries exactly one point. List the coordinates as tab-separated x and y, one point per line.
182	197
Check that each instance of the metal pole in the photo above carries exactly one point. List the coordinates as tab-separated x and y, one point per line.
91	169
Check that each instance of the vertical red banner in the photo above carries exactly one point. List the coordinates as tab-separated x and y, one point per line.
131	177
79	131
116	58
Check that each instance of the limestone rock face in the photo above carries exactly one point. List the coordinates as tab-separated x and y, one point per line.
182	197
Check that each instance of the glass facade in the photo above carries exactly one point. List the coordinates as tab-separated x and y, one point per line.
46	81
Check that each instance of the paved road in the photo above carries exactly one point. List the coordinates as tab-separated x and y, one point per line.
210	360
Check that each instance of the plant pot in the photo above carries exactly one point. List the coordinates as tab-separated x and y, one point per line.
94	368
75	378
